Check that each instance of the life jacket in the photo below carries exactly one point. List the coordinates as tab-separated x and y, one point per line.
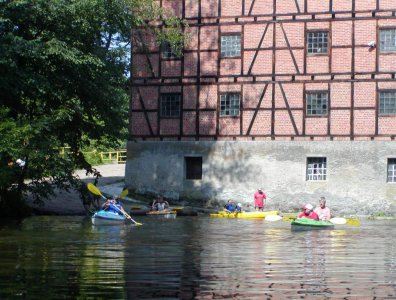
115	207
160	206
230	207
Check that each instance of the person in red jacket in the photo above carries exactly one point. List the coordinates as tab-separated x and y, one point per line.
309	213
259	199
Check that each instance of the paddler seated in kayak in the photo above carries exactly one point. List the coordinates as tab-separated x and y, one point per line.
160	204
230	207
308	213
113	205
322	210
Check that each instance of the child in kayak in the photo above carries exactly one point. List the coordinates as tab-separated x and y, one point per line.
308	213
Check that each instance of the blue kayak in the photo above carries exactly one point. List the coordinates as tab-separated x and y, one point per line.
104	217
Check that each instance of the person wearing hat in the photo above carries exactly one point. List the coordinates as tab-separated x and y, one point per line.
259	199
308	213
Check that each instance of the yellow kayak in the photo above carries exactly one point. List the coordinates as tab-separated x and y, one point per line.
174	208
245	214
169	214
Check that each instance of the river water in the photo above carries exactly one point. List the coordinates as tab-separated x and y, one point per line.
60	257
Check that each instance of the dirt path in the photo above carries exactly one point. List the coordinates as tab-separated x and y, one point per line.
69	203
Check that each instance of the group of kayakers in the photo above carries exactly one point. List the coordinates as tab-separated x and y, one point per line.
259	203
321	212
114	205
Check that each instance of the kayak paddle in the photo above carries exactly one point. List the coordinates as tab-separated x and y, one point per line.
349	221
94	190
123	193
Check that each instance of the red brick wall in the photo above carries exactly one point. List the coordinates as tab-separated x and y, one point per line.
351	72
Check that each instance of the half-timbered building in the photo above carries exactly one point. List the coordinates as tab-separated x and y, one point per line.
295	96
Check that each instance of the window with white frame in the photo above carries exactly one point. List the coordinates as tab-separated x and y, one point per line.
387	103
317	103
387	39
170	105
229	104
317	42
231	45
391	170
316	168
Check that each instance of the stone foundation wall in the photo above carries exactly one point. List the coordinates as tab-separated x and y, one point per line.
356	173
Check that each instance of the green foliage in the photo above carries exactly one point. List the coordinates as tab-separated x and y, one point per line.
93	158
379	214
62	82
173	34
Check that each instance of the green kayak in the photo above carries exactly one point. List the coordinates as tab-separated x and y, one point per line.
309	224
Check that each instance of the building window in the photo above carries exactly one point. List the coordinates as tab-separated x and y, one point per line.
230	45
316	168
391	170
317	104
193	167
170	105
168	51
318	42
388	40
229	104
387	103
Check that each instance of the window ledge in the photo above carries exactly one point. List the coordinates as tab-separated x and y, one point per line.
317	116
317	54
231	57
387	115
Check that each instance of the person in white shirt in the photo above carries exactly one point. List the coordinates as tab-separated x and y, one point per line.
160	204
322	210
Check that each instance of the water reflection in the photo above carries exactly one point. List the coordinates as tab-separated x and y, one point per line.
103	261
195	258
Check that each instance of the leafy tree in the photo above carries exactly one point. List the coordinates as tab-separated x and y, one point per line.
63	81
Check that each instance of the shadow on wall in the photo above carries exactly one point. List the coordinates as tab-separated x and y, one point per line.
226	166
159	168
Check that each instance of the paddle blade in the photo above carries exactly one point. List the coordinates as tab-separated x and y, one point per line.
273	218
288	217
177	208
338	221
132	220
353	221
123	193
93	189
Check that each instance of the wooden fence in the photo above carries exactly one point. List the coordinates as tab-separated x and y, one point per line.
115	156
